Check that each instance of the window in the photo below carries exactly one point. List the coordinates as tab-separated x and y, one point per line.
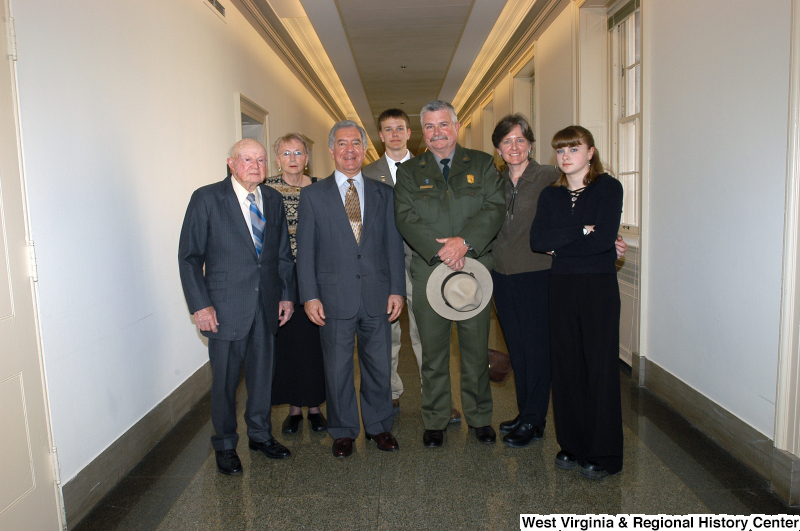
523	93
531	116
468	135
626	74
487	124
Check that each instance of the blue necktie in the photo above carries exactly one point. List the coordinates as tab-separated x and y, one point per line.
445	168
257	221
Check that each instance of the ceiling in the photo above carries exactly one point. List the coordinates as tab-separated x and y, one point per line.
364	56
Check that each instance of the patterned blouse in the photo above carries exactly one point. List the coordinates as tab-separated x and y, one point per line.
291	197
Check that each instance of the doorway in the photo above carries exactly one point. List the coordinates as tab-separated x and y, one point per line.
30	497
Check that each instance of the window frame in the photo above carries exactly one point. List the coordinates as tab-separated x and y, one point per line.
624	17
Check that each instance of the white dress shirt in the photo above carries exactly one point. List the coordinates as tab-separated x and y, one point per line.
343	185
393	164
244	203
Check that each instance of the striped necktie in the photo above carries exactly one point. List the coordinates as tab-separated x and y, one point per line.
353	208
257	221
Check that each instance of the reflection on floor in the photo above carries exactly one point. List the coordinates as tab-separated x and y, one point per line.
670	467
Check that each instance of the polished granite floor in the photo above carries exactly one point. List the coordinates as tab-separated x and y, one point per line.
670	468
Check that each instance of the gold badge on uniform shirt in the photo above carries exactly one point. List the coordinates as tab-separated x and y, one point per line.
471	179
425	186
383	178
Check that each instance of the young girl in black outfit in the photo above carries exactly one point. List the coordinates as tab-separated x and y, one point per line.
577	219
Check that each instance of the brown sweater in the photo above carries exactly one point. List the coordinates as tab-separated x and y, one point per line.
512	249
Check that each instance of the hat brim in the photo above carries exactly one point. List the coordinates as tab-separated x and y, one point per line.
434	289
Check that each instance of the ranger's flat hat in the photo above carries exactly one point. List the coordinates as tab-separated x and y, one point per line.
459	295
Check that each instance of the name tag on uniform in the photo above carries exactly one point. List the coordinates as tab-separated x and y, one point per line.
425	186
471	179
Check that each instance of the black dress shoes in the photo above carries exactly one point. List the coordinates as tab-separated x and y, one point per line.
317	421
593	471
385	441
566	460
433	438
228	462
485	434
271	448
509	425
523	435
343	447
292	423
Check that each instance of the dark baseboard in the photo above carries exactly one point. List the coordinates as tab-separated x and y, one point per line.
747	444
96	479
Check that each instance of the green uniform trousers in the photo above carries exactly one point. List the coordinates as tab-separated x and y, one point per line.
473	339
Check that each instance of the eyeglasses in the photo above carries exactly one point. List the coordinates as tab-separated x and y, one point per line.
287	154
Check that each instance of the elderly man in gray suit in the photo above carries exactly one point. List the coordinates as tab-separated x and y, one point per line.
351	278
238	277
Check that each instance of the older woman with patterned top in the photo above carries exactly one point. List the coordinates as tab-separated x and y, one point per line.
299	376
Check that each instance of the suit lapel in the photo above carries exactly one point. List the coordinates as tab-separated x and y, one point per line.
371	200
235	210
338	213
460	162
266	217
386	171
430	168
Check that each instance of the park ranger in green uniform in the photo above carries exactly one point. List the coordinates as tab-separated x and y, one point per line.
449	204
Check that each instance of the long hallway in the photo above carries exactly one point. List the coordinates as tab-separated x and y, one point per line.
670	468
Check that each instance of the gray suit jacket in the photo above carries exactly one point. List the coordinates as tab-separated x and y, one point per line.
379	170
332	267
218	262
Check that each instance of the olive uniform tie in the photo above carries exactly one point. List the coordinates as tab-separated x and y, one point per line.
445	168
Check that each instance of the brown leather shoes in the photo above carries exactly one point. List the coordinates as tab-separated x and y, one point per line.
455	416
385	441
343	447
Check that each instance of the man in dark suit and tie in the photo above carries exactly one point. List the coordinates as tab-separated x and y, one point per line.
238	278
351	277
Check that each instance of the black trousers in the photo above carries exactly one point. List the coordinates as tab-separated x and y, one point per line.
584	342
256	354
521	304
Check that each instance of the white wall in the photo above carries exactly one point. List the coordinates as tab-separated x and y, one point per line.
126	108
554	71
718	124
554	81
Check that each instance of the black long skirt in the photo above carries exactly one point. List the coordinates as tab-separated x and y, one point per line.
299	375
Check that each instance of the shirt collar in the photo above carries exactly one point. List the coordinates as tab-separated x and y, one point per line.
391	162
439	160
241	192
341	178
